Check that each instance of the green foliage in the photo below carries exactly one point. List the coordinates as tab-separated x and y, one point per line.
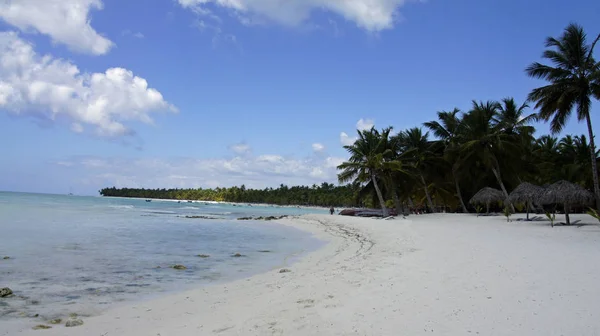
507	213
324	195
478	209
520	207
594	213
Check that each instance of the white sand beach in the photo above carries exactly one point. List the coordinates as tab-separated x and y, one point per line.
432	274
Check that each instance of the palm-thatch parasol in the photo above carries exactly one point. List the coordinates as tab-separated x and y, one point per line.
486	196
566	193
526	193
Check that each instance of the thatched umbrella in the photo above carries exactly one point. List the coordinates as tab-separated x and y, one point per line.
486	196
567	194
525	193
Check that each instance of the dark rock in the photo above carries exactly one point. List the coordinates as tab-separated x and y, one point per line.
179	267
55	321
41	327
6	258
245	218
4	292
264	251
74	322
203	256
284	270
237	255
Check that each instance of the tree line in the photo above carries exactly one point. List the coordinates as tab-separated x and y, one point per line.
326	194
445	162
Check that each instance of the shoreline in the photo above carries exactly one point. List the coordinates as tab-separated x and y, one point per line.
446	274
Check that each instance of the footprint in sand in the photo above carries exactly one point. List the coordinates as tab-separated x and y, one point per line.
307	303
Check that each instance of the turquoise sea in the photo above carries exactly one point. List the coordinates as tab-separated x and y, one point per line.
71	254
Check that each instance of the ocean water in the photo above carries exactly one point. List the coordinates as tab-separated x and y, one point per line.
83	255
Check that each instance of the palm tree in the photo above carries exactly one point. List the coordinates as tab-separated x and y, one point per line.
417	150
369	160
446	129
511	118
574	80
483	140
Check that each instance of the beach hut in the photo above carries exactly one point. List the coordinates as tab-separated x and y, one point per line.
526	193
486	196
567	194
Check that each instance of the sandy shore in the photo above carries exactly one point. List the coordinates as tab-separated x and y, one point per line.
433	274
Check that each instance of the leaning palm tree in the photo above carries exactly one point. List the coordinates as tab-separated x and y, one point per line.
369	159
574	80
446	130
483	141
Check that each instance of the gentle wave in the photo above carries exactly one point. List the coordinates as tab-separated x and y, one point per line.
121	206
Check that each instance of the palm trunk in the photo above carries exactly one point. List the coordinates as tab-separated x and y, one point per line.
527	205
458	193
497	174
380	196
397	204
568	220
594	165
429	202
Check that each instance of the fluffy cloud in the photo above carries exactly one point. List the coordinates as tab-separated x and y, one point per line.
365	124
347	140
241	148
51	89
318	148
65	21
372	15
256	171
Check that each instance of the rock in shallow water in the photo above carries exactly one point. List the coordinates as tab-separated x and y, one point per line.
55	321
4	292
74	323
238	255
179	267
285	270
6	258
203	256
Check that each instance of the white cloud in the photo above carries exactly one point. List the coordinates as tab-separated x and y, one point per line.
318	148
52	89
241	148
347	140
371	15
365	124
65	21
255	172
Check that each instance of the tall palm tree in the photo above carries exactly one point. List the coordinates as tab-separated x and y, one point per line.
415	147
574	80
483	141
369	160
446	129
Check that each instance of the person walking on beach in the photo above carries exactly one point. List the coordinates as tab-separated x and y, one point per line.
331	210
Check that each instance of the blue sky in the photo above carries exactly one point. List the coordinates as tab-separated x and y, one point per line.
246	91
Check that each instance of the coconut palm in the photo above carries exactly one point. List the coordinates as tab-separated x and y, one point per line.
574	79
511	118
418	151
446	129
369	161
483	141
